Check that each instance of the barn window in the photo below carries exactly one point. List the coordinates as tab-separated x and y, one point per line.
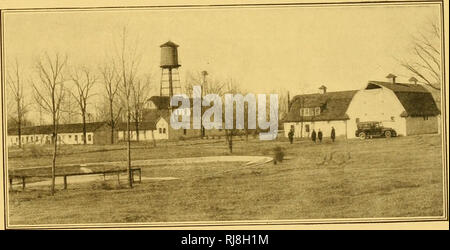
89	138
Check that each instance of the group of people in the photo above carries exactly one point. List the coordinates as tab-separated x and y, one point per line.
314	136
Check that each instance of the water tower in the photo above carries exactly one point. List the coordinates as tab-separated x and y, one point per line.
170	78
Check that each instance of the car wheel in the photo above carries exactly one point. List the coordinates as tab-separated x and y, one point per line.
362	135
387	134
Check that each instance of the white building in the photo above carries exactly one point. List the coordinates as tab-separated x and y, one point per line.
67	134
148	130
408	108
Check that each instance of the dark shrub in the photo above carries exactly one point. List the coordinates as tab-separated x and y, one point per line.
278	154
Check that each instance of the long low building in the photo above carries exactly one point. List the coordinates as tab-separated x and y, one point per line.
408	108
96	133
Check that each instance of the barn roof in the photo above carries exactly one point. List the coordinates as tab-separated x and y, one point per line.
333	106
415	98
62	128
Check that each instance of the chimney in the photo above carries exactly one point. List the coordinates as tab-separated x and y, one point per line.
323	89
391	76
288	102
413	80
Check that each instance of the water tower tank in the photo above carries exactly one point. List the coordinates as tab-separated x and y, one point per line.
169	55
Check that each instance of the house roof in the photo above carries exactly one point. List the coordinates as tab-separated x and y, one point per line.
163	102
333	106
415	98
62	128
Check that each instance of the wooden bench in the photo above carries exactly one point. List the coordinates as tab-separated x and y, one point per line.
65	175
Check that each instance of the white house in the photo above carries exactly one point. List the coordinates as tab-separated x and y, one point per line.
319	112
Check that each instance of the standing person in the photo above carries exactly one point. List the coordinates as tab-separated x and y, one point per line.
313	136
291	135
319	135
333	134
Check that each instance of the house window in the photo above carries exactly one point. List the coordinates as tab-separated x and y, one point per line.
76	137
32	138
306	112
425	118
17	139
160	130
164	130
317	111
184	131
89	138
307	128
392	118
70	136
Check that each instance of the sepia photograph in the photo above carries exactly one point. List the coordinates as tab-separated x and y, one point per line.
224	114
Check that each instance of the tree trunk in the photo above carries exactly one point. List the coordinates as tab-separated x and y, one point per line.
130	178
136	123
19	124
112	121
84	127
153	139
55	148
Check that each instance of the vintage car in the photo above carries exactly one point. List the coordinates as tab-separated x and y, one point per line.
373	129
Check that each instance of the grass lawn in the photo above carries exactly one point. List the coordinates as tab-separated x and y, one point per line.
398	177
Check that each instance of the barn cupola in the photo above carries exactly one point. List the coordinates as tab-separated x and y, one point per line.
413	80
391	77
323	89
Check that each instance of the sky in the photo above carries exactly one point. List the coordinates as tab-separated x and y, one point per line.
295	49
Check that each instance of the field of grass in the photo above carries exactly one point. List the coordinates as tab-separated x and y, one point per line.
398	177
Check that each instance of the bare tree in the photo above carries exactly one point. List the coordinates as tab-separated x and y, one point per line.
111	84
49	93
139	92
84	80
15	84
425	60
231	87
128	60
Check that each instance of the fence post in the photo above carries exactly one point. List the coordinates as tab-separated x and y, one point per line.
65	181
23	182
11	184
118	177
140	174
